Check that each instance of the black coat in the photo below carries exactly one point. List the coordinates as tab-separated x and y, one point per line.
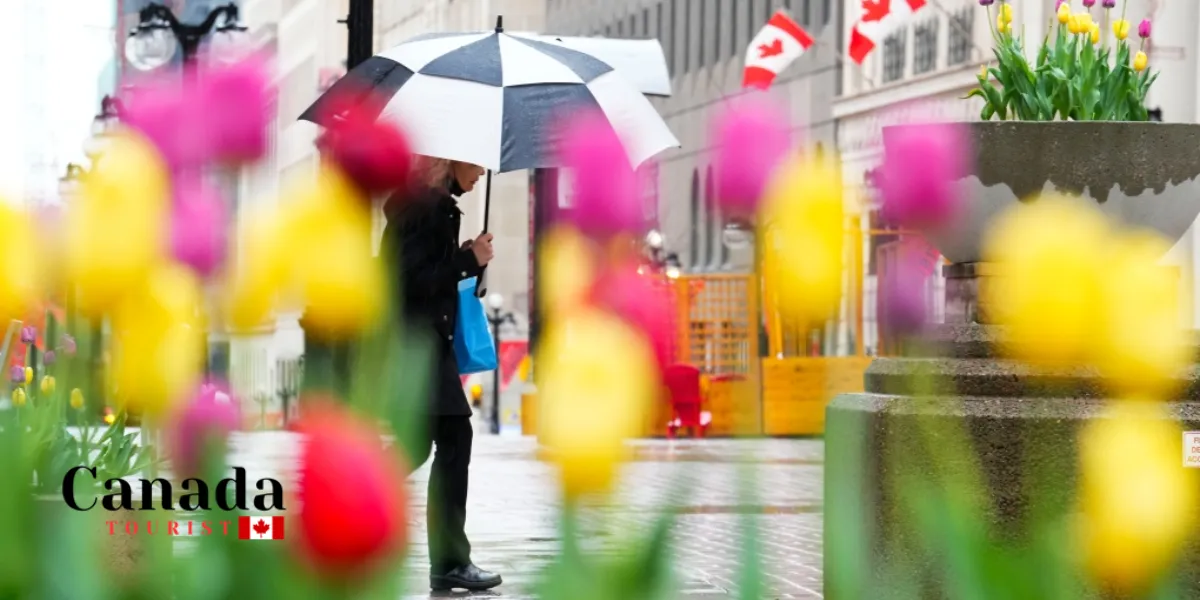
421	240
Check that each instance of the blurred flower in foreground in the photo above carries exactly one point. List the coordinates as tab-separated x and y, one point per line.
605	187
18	262
47	385
28	375
49	358
567	270
262	271
643	301
202	425
115	231
198	222
921	167
350	518
751	140
18	397
1143	347
804	216
67	344
158	344
374	154
1138	501
28	334
343	285
16	374
235	100
596	379
904	287
1050	260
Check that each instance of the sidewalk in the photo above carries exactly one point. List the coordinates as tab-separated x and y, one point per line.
514	503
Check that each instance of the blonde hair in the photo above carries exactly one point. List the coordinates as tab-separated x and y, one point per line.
432	173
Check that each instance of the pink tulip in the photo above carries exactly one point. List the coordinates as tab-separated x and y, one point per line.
751	140
921	168
204	421
904	309
198	228
161	111
236	102
643	301
605	187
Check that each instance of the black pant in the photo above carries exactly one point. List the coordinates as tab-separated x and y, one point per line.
446	510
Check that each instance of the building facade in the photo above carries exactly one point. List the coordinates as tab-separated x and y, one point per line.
705	44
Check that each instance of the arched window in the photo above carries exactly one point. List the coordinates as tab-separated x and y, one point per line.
697	248
714	255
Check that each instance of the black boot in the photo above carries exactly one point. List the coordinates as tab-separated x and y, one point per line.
468	577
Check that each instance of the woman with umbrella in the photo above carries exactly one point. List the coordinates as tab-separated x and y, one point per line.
479	101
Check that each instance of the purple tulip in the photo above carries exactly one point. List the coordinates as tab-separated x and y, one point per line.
67	345
921	167
1089	3
986	2
17	374
28	335
1109	3
205	421
904	308
1144	29
198	228
1058	4
49	357
751	140
606	198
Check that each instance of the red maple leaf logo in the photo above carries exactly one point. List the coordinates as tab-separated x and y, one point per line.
261	527
775	48
875	10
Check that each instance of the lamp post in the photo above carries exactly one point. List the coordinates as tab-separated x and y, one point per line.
159	34
496	319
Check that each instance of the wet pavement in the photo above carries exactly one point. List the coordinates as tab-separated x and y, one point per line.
514	504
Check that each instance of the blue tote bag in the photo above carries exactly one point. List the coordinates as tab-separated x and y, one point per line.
474	348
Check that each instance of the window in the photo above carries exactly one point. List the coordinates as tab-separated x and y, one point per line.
621	29
894	47
687	36
673	55
925	45
733	27
716	31
806	16
704	4
751	19
658	25
716	248
962	34
646	21
632	26
608	31
696	220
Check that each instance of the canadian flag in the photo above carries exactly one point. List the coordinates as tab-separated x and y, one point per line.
878	19
779	43
260	528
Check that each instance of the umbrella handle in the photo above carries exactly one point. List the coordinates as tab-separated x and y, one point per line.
481	291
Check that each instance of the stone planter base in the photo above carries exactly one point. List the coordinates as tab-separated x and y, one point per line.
121	553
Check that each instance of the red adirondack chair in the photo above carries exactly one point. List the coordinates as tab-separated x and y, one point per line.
683	386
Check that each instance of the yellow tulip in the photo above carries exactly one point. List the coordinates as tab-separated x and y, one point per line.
28	375
1139	61
567	270
1003	26
1006	13
115	231
158	343
805	239
1085	22
262	273
18	262
1075	24
1138	501
1142	345
18	397
76	399
1064	13
330	234
983	73
1049	255
1120	28
47	385
596	380
1094	31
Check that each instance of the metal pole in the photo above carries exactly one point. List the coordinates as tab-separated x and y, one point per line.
360	25
496	321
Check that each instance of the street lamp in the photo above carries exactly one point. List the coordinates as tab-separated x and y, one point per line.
737	235
495	302
673	267
159	35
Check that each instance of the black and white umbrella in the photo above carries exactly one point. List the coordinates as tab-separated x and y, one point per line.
496	100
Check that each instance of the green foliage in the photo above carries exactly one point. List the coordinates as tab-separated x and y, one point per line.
1070	79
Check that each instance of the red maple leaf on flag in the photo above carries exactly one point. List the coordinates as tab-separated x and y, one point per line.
875	10
775	48
261	527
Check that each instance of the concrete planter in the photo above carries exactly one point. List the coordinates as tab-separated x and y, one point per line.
1143	174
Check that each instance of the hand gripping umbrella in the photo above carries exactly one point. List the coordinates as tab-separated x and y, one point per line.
495	100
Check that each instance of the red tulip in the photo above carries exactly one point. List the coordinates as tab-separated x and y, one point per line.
643	301
352	494
372	152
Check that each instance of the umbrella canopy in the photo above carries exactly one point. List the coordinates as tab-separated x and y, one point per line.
497	100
